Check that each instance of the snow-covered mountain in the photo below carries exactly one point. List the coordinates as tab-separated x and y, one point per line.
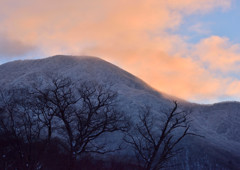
218	123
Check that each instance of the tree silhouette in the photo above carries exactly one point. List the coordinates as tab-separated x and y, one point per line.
76	115
85	112
155	144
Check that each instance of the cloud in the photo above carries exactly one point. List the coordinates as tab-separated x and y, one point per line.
137	35
219	54
13	48
77	21
233	89
200	29
203	6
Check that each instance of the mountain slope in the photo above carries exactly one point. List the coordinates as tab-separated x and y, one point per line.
219	123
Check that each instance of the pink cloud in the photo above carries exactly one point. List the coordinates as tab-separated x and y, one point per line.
218	53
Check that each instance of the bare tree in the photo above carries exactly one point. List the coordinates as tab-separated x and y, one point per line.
21	129
155	144
96	116
77	114
85	111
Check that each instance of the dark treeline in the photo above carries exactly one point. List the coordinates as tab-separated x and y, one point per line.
62	125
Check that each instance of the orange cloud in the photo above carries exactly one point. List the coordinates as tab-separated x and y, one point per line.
219	54
233	89
56	20
133	34
172	74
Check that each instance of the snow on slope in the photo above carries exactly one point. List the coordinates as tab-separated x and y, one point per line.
132	91
219	123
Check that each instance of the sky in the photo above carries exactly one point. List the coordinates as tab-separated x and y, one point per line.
185	48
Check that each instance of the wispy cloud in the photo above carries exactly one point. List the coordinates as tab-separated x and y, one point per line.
200	28
13	48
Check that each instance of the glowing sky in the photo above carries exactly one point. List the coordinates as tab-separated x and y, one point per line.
185	48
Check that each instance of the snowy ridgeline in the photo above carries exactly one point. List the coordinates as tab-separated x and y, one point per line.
218	123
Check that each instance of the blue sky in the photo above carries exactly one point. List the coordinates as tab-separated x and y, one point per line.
224	23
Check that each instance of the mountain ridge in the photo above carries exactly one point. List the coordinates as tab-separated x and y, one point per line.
78	58
218	122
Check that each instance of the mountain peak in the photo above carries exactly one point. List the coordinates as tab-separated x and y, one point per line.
74	57
75	67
